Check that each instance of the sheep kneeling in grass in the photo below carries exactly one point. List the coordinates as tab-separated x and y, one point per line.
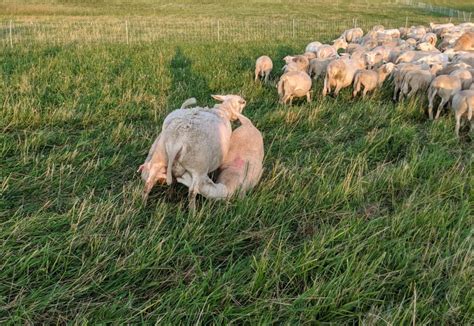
242	166
371	79
445	87
195	141
463	107
263	67
153	170
294	84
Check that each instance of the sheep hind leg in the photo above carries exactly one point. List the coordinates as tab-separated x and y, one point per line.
440	107
267	75
193	191
458	125
337	90
308	97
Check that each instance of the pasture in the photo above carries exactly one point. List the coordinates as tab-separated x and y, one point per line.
363	213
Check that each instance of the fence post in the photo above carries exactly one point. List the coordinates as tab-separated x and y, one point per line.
293	31
218	30
126	30
11	39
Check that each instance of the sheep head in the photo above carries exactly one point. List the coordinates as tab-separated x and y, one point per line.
231	104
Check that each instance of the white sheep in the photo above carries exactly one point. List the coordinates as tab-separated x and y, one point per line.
313	47
340	73
371	79
153	170
296	63
465	76
317	67
445	87
263	67
242	166
197	140
352	35
326	51
415	81
294	84
463	107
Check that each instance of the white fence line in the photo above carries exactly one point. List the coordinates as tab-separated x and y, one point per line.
134	31
449	12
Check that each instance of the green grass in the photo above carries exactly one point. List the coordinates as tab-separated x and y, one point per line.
363	214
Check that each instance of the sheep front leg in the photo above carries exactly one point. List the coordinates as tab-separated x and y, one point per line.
308	97
256	75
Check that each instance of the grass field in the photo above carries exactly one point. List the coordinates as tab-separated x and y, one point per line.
363	214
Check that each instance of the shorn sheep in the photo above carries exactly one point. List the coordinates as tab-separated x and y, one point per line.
196	140
294	84
242	167
463	106
445	87
263	67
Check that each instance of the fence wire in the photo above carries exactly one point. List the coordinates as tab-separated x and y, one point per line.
16	33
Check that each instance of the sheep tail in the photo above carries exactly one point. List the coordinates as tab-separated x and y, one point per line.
188	102
171	158
469	109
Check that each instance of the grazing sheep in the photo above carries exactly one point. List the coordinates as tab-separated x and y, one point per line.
417	32
430	38
317	67
197	140
352	35
411	42
436	28
353	47
313	47
465	57
340	73
339	43
411	56
399	75
465	77
326	51
415	81
263	67
445	87
242	166
450	67
425	46
294	84
310	55
296	63
393	33
465	42
463	106
371	79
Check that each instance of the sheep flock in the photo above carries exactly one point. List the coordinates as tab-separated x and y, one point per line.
437	61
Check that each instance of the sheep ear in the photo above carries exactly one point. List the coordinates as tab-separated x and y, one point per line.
220	98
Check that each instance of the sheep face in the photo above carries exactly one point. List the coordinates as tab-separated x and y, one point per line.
233	104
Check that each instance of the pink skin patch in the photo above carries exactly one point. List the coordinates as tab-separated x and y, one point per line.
238	163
